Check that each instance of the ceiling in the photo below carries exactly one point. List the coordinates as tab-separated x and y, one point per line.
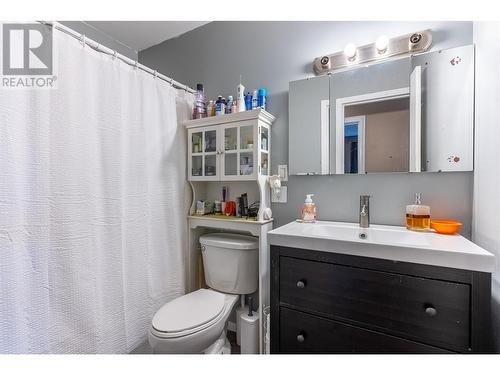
140	35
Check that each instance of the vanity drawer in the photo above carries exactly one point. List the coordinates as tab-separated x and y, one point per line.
427	310
304	333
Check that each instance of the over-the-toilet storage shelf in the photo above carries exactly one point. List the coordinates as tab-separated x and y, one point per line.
233	147
232	150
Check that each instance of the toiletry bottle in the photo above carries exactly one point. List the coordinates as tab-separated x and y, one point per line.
224	100
214	108
229	105
418	216
210	108
234	107
220	106
254	99
261	98
241	97
263	141
200	107
244	205
309	210
248	102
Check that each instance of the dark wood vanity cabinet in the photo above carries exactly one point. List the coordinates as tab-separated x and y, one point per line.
324	302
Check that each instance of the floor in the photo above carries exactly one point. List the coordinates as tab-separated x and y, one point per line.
235	348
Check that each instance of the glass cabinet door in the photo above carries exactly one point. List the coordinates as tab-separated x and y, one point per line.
231	151
204	154
246	143
264	150
239	152
197	154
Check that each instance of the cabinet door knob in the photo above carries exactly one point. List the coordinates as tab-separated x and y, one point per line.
301	337
430	310
301	284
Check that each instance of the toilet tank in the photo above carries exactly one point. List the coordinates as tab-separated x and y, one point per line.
231	262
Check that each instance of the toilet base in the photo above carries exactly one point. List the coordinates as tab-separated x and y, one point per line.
220	346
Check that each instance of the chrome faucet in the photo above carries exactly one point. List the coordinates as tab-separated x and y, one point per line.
364	211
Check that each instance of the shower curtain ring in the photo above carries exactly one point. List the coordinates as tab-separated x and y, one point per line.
171	82
135	65
114	54
82	40
155	73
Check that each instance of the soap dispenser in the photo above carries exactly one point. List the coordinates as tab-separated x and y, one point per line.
418	216
309	210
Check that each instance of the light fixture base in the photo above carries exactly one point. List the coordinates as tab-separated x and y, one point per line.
416	42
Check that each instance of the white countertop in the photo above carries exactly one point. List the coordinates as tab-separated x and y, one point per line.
385	242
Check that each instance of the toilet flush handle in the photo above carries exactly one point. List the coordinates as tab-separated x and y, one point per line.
203	248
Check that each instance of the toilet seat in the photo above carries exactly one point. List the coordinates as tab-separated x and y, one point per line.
188	314
206	324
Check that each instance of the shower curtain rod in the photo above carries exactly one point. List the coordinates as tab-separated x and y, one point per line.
103	49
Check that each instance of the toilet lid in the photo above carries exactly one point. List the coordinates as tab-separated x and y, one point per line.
189	311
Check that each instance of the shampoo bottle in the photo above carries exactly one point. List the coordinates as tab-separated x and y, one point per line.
418	216
309	210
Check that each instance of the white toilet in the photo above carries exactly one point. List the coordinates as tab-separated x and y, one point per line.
196	322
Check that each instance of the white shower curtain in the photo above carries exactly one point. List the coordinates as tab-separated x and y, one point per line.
92	218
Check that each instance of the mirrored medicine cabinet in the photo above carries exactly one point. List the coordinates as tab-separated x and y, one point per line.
412	114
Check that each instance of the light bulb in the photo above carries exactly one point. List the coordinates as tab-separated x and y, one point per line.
382	43
350	51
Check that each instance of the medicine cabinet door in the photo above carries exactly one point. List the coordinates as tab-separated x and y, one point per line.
447	100
309	126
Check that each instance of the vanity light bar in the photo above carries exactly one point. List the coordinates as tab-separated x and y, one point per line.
384	47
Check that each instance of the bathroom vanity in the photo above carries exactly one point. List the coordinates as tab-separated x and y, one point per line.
338	288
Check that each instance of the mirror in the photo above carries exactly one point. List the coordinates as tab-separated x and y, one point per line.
309	126
389	117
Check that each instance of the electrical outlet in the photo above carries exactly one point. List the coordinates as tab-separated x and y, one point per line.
282	197
283	172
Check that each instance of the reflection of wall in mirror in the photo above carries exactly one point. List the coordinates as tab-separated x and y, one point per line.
387	136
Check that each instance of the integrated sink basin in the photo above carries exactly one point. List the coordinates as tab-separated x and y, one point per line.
385	242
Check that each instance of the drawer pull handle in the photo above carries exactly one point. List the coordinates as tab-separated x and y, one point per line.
301	337
301	284
431	311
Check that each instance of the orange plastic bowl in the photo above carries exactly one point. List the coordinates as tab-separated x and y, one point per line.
446	226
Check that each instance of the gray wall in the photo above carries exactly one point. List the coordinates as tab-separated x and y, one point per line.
270	54
101	37
487	182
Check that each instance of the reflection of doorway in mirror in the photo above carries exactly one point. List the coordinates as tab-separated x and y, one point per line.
384	133
354	144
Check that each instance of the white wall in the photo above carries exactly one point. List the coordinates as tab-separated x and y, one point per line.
486	211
